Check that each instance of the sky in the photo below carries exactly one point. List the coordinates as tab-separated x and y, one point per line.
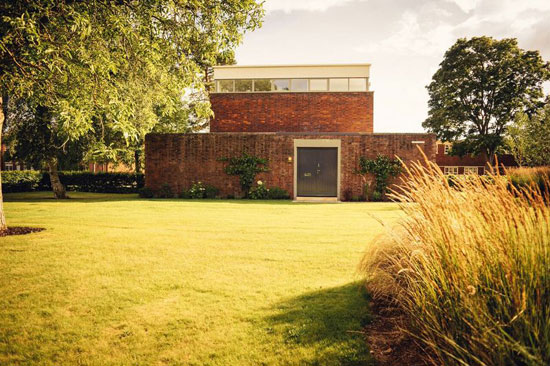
404	40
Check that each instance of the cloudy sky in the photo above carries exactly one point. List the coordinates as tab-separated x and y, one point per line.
404	40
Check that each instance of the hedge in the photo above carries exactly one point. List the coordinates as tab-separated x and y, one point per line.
20	180
29	180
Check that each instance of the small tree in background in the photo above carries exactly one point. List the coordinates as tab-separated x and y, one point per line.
481	84
529	138
246	167
382	168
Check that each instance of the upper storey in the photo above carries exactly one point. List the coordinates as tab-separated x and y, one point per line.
292	98
292	78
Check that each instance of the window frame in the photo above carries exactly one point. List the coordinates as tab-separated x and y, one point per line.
447	168
218	85
282	90
338	91
243	91
318	91
471	169
357	91
299	91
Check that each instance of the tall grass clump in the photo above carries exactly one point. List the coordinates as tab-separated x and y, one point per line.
469	266
523	176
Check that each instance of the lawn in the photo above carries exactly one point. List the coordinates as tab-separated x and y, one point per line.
115	280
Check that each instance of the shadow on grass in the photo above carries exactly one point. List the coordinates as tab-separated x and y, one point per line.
47	196
329	321
89	197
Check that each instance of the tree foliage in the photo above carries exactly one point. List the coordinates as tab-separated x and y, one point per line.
479	87
529	138
115	66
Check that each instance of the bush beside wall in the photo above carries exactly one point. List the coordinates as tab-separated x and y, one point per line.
30	180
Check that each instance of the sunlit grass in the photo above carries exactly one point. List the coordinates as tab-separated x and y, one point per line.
470	266
115	280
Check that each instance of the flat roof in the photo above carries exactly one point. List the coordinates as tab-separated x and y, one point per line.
291	71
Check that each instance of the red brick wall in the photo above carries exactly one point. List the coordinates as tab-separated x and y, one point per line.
181	159
292	112
443	159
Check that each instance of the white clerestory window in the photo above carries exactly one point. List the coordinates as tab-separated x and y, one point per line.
292	85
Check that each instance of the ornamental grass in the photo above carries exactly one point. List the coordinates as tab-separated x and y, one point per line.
469	266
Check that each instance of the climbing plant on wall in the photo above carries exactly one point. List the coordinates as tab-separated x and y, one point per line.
246	167
382	169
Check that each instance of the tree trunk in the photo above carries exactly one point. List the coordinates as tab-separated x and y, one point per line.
57	187
137	161
3	225
490	158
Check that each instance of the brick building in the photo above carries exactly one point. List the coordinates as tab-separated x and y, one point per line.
468	164
312	122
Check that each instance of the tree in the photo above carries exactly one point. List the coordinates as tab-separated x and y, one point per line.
529	138
481	84
106	65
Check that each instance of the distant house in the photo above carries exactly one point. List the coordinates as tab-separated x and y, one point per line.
468	164
312	122
96	167
7	163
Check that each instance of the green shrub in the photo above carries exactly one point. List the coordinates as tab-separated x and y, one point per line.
377	196
197	190
469	265
211	191
276	193
20	180
260	192
165	191
184	194
146	192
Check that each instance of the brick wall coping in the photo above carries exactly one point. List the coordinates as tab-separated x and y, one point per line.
297	92
301	133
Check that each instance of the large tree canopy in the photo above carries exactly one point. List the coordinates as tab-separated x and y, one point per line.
479	87
114	65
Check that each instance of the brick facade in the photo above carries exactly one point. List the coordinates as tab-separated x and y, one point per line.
292	112
480	160
181	159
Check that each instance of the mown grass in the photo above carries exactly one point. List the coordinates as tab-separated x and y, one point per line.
470	266
115	280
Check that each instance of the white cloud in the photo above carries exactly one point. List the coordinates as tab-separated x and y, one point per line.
466	5
309	5
428	31
411	38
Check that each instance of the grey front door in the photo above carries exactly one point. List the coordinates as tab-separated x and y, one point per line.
317	171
